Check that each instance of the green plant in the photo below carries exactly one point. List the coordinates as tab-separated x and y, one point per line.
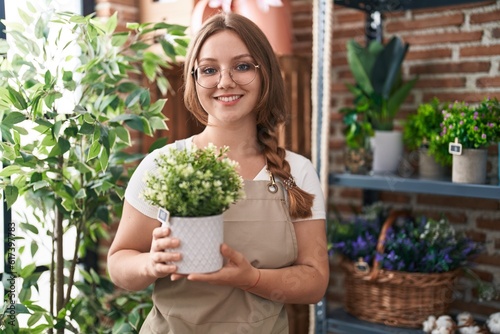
357	130
68	101
194	183
422	130
472	126
379	90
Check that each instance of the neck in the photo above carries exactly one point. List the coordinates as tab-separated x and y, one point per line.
241	141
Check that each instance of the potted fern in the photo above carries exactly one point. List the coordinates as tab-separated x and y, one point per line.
421	133
378	93
68	104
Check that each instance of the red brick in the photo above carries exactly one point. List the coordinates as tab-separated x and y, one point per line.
489	223
473	307
495	33
449	37
463	203
493	16
445	9
468	96
460	67
428	54
497	243
485	82
454	82
456	19
488	259
479	51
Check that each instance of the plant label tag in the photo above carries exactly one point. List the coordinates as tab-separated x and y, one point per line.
163	216
455	148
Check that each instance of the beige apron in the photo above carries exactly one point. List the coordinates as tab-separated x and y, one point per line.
258	226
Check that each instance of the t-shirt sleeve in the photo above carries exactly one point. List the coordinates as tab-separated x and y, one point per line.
136	186
307	179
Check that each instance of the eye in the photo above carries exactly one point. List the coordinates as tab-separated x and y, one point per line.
208	71
243	67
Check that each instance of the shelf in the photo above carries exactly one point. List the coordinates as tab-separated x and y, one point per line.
423	186
391	6
341	322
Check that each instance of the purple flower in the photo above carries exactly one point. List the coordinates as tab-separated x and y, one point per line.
476	128
475	114
483	136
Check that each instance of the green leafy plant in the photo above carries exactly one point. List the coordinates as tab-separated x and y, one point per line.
357	130
194	183
422	130
473	126
379	90
70	94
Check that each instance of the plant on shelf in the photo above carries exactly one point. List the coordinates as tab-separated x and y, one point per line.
422	130
357	132
379	89
473	126
469	131
70	94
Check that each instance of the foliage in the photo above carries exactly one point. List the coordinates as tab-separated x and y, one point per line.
473	127
422	130
357	130
194	183
412	244
379	90
69	97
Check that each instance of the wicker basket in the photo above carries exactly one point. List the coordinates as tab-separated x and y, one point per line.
395	298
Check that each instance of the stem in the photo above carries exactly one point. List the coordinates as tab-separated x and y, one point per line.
52	276
74	261
60	265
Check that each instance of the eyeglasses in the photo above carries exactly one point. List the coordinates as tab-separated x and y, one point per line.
210	76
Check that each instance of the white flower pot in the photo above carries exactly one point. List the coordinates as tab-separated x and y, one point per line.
470	166
387	149
200	241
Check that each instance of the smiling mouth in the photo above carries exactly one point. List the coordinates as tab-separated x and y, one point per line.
228	98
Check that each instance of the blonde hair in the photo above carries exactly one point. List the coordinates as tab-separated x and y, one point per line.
272	106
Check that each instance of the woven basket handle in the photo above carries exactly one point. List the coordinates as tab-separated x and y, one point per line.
381	239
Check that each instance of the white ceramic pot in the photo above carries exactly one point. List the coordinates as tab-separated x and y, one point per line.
387	149
200	241
470	166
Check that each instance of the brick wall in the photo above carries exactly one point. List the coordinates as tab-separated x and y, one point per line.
456	53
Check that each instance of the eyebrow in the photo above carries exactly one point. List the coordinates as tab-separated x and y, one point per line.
246	55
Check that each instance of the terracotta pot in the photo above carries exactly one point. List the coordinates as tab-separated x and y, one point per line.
276	23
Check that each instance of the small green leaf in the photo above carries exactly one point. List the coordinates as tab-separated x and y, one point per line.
119	39
10	170
94	150
11	194
13	117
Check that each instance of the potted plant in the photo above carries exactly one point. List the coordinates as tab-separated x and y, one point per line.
421	133
389	253
379	92
357	131
69	98
469	131
192	188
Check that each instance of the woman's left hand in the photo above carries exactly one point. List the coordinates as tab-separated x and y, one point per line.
237	271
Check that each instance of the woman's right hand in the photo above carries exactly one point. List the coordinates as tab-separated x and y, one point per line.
160	260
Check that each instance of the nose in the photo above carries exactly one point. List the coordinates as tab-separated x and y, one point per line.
225	79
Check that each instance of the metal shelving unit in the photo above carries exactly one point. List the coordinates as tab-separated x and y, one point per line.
414	185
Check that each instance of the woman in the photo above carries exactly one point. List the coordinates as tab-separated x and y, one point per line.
274	240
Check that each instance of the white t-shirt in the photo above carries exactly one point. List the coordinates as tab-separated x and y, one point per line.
302	170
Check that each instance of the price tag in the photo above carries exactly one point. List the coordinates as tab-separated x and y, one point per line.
455	148
163	216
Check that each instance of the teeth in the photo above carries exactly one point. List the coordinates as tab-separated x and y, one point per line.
227	98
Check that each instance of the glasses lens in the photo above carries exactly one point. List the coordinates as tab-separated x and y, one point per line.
242	74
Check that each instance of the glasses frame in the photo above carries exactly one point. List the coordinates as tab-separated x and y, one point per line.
195	76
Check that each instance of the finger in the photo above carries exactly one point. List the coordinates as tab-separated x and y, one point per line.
165	243
231	254
162	257
175	277
161	232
